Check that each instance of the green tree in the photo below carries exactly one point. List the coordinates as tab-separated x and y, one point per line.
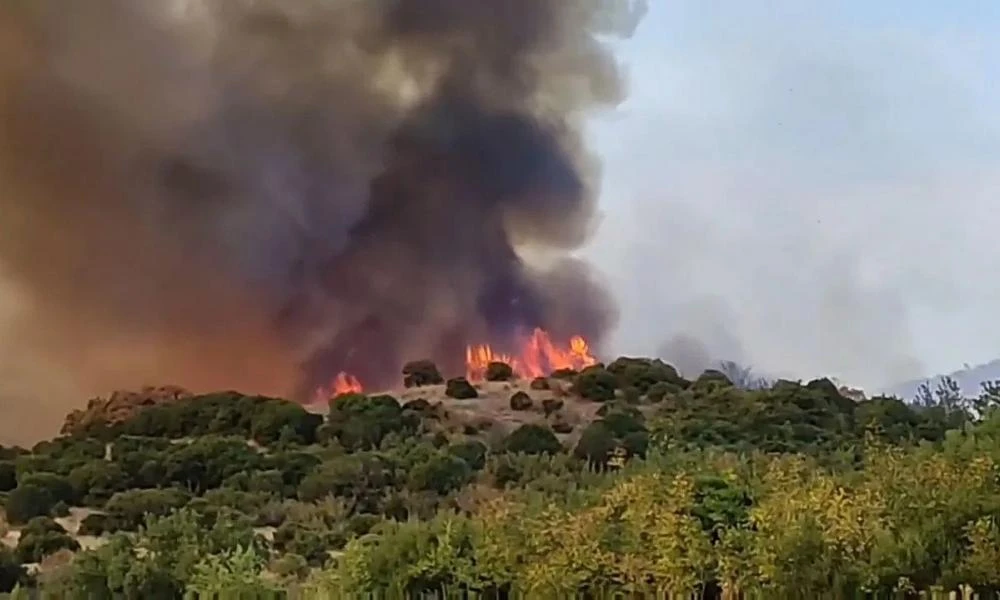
42	537
8	476
361	422
441	473
28	501
596	384
12	572
532	439
596	444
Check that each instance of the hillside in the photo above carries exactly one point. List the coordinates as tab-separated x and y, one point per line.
616	478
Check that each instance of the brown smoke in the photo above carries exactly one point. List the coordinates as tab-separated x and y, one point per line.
257	194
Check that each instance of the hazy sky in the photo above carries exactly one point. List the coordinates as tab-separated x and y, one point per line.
809	186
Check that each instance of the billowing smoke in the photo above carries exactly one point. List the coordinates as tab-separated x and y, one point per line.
259	193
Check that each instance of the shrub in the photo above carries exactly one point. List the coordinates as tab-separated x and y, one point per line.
290	566
12	572
460	389
311	541
281	421
129	509
643	373
361	422
564	374
658	391
42	525
33	547
622	423
596	444
420	373
57	486
532	439
499	371
472	452
520	401
8	476
96	481
540	383
551	406
267	482
596	384
27	501
711	379
636	443
61	509
94	524
420	406
442	473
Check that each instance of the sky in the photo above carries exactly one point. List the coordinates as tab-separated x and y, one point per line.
806	187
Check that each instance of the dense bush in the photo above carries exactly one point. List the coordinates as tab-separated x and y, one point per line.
596	444
641	374
12	573
472	452
227	414
420	373
532	439
442	473
550	406
361	422
28	501
128	510
8	476
41	537
499	371
520	401
596	384
460	389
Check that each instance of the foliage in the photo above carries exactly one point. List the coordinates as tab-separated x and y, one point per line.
460	389
724	487
28	501
360	422
499	371
520	401
420	373
596	383
224	414
532	439
11	572
8	476
41	537
166	557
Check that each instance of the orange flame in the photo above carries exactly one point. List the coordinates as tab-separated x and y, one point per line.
538	357
346	383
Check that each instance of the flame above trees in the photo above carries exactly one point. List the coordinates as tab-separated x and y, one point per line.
538	356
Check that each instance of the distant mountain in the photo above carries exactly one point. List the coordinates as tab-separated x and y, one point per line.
968	379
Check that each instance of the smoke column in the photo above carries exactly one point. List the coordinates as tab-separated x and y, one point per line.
257	194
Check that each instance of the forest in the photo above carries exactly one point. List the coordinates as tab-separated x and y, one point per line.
720	487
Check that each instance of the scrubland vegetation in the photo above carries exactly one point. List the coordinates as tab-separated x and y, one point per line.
672	488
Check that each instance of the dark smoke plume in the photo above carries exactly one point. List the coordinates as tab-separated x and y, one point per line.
259	193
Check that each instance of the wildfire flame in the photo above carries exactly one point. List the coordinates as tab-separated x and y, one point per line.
346	383
538	357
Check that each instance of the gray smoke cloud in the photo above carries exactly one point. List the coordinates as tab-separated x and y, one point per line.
806	191
258	194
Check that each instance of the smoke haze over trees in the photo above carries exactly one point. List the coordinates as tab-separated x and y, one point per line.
259	195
